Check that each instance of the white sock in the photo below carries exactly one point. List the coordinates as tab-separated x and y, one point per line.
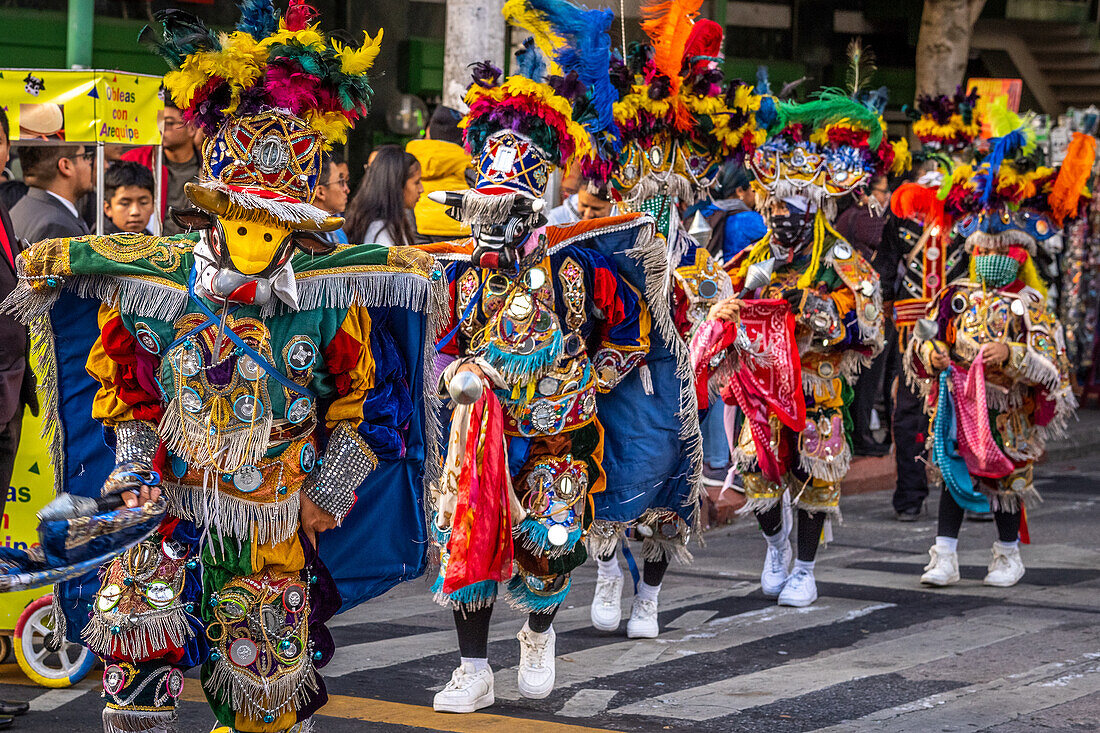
951	544
1007	545
479	664
803	565
648	592
609	568
776	540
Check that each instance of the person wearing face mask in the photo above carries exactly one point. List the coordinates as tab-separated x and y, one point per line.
989	358
807	319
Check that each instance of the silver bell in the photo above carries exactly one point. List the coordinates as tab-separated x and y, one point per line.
465	388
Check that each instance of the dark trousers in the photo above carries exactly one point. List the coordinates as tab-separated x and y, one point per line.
874	382
910	431
9	444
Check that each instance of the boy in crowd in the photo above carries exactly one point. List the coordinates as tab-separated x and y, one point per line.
127	198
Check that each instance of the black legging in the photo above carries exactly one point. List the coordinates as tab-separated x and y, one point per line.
473	629
809	528
951	519
653	571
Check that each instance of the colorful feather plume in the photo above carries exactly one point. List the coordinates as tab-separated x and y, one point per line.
268	61
861	67
668	24
1072	177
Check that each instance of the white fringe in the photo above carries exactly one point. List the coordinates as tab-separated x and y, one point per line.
273	522
154	631
253	698
1002	241
117	720
293	213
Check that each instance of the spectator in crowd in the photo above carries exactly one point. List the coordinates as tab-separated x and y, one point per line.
444	163
591	201
734	221
182	162
381	209
332	191
127	198
57	176
17	389
863	226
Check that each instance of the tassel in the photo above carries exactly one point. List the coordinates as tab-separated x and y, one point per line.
646	378
523	599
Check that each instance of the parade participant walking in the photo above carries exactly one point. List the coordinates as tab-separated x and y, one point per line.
991	354
548	324
814	152
676	124
931	255
252	376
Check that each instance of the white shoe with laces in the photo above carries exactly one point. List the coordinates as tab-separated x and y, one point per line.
468	690
799	590
776	568
1007	567
536	662
607	603
643	620
943	568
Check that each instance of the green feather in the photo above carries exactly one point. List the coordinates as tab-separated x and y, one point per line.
830	105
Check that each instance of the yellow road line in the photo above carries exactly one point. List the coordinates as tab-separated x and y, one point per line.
419	716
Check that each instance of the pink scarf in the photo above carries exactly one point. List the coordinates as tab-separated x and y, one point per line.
976	444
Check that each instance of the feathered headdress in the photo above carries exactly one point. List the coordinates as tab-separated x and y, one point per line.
833	144
1004	198
559	104
271	96
946	123
270	61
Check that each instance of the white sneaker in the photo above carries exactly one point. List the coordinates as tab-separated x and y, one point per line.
799	590
942	569
1007	567
468	690
643	620
536	662
776	569
607	603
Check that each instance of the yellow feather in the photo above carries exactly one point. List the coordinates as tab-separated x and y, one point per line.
359	60
519	14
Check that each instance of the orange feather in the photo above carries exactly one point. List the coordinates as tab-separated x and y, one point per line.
1072	177
668	25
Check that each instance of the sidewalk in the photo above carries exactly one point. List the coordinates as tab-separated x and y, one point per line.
1082	440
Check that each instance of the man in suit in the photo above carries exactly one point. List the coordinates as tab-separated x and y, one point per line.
58	175
17	389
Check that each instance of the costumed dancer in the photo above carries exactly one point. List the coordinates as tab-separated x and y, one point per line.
931	255
678	124
267	376
990	355
548	328
814	152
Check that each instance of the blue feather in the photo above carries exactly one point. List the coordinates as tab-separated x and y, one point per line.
763	86
529	61
589	55
999	149
258	18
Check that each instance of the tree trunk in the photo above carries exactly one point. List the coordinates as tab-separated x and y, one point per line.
475	32
943	46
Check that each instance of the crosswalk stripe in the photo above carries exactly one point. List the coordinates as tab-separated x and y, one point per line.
728	696
388	652
587	703
53	699
989	704
584	666
419	716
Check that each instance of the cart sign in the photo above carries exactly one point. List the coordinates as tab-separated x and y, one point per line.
81	106
988	90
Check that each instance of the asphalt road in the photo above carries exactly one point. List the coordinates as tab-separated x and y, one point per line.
877	652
